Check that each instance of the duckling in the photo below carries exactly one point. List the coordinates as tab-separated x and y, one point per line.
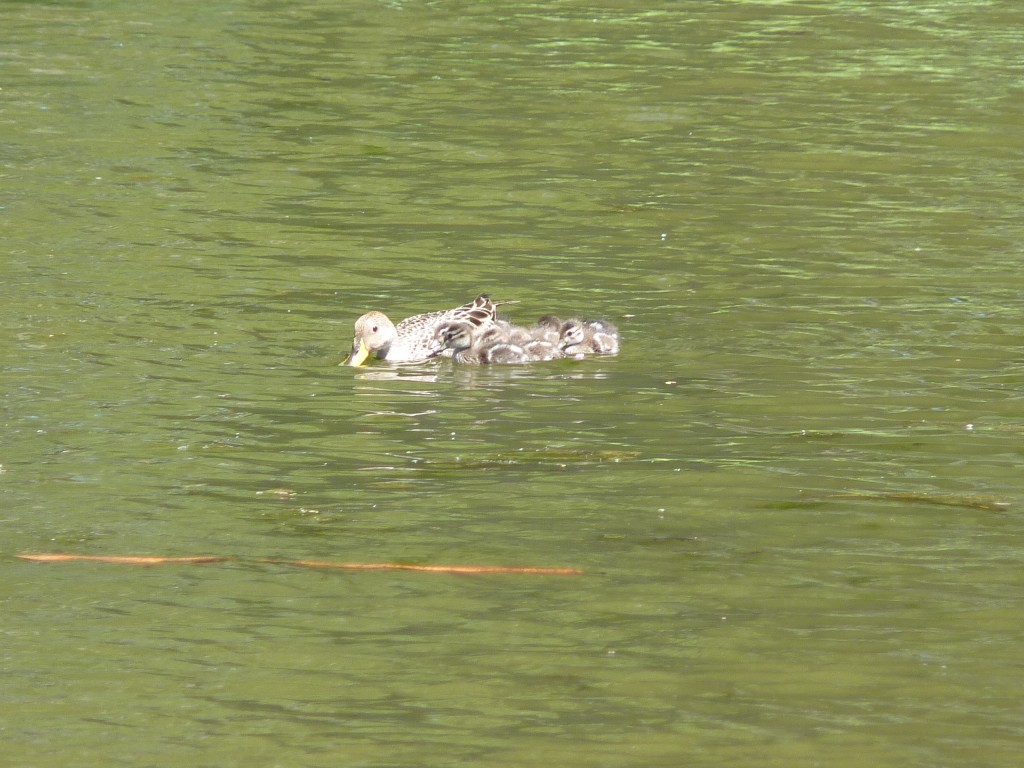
579	338
519	335
457	338
571	336
504	352
605	336
603	326
485	347
515	333
547	328
541	350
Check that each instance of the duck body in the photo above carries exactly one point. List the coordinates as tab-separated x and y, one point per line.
414	339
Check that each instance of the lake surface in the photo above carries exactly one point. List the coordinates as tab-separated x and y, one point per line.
795	497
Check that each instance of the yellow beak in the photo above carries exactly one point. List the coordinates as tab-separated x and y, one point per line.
358	355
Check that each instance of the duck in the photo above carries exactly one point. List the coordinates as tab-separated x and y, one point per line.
415	338
472	346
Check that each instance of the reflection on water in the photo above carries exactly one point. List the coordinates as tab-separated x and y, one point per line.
392	372
792	495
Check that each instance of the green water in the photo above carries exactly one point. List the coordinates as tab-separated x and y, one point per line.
795	496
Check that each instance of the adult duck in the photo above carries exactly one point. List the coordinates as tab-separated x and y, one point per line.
415	338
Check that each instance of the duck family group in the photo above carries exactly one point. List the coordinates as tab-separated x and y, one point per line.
474	335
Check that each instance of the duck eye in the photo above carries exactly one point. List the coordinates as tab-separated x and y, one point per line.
375	329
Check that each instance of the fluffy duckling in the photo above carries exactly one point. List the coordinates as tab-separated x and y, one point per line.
457	338
603	327
488	346
539	342
579	338
604	335
515	333
503	353
547	328
539	350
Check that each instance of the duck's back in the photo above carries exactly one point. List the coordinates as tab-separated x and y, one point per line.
417	334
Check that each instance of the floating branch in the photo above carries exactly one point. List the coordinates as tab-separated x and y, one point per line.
124	559
148	560
524	569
